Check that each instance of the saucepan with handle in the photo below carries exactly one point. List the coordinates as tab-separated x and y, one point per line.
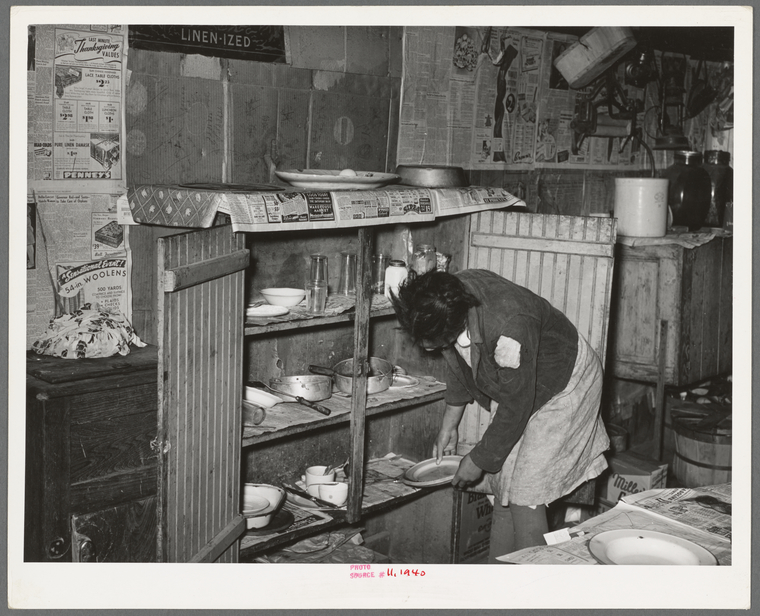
303	401
379	376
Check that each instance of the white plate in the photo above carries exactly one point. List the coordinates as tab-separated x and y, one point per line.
647	547
266	310
302	502
327	179
428	473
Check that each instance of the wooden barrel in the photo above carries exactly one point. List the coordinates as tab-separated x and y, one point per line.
703	445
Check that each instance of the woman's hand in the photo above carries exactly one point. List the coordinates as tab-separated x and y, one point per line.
467	473
445	443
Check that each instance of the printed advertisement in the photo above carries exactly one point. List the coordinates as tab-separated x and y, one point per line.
87	114
78	253
76	243
76	83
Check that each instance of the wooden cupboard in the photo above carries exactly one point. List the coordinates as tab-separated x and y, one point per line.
690	289
188	331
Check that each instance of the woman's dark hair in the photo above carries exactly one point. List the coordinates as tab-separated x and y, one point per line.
433	307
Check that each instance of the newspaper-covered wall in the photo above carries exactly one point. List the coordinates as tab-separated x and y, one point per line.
76	248
491	98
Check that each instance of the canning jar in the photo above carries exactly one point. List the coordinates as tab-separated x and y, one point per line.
394	276
424	258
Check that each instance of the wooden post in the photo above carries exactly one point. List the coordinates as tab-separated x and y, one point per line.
361	369
659	421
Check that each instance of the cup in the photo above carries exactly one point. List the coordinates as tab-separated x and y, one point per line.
314	476
318	268
379	264
334	492
347	281
316	297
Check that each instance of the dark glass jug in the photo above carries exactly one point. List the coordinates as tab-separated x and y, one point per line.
722	181
689	190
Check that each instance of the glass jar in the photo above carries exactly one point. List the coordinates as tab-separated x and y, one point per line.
689	190
424	258
394	276
722	179
318	268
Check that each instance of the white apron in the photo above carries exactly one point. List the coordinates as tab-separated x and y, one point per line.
562	445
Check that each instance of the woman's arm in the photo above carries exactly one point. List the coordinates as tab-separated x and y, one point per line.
448	434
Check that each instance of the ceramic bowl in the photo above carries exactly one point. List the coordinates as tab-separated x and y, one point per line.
335	492
260	397
252	492
283	296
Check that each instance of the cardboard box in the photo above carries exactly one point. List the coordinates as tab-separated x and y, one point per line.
630	473
474	529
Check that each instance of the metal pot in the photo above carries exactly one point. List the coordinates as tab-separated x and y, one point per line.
379	378
431	176
311	387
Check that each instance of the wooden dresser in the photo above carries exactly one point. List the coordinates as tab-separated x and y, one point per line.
90	465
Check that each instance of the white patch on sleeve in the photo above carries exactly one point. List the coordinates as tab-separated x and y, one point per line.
507	353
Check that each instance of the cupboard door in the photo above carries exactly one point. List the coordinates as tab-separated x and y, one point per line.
568	260
565	259
200	329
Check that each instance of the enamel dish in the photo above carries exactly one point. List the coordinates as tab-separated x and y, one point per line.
427	473
647	547
326	179
266	310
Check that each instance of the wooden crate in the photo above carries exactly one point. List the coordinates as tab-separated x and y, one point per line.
691	288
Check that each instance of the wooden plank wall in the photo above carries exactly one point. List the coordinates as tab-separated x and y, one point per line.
566	259
200	330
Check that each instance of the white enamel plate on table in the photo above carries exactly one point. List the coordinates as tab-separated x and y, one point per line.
327	179
427	473
630	546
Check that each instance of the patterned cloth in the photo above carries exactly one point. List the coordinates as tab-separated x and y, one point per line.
173	206
87	333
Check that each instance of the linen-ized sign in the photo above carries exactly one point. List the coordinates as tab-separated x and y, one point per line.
257	43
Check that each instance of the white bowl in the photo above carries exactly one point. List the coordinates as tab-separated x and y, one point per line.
283	296
334	492
260	397
273	494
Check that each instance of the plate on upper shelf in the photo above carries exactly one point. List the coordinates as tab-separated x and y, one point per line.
427	473
331	179
266	310
630	546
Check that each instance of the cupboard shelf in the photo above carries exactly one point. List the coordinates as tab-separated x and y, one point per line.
247	554
302	323
290	418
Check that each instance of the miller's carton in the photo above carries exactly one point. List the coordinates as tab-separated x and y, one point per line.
629	473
